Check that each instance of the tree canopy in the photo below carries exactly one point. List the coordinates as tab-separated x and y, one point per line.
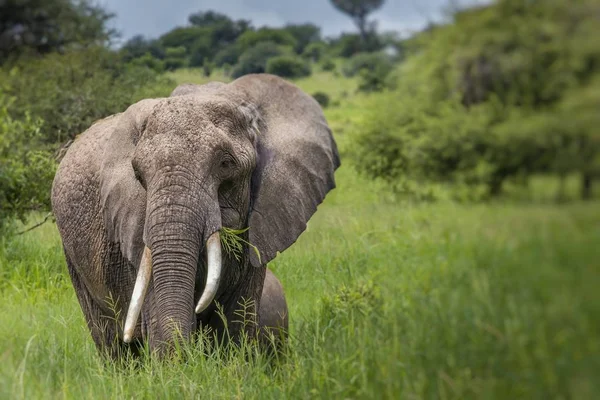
358	10
43	26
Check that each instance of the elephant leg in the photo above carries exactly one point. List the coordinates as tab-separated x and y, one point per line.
272	313
102	325
239	309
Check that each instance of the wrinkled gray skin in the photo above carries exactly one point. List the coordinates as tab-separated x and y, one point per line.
169	172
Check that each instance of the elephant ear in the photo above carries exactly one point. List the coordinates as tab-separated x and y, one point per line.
296	160
122	197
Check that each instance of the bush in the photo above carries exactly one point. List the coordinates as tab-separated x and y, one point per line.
322	98
175	58
148	61
280	37
207	68
254	60
371	62
329	65
349	44
475	107
372	68
70	91
26	171
315	51
413	144
229	55
288	67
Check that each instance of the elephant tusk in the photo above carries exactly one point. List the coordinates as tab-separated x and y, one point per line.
213	274
139	293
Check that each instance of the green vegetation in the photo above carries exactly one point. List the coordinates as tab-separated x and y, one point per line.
390	296
322	98
255	59
288	67
504	93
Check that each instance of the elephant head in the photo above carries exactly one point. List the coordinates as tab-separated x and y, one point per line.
256	153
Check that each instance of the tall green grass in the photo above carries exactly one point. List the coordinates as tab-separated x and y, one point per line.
387	299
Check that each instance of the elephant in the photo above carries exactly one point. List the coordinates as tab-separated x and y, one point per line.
142	199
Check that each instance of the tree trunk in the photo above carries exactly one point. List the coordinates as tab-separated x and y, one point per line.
586	186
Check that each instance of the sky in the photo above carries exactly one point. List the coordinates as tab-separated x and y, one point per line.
152	18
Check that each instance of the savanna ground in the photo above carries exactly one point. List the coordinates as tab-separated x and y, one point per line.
388	299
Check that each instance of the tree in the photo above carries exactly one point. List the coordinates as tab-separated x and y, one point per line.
506	91
280	36
288	67
254	60
43	26
224	29
358	11
138	46
304	35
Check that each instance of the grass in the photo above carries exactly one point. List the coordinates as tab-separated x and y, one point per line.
387	299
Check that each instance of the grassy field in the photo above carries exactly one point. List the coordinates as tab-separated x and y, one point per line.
387	299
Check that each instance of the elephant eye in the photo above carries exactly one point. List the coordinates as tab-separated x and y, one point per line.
227	163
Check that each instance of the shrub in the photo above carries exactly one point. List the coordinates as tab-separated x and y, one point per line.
475	107
253	38
148	61
229	55
349	44
322	98
70	91
207	68
254	60
371	62
175	58
315	51
288	67
26	171
329	65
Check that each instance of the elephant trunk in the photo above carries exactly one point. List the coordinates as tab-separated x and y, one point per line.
176	236
174	264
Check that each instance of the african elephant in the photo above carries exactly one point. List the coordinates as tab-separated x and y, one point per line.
142	198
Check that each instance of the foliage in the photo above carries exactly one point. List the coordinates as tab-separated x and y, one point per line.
207	68
44	26
72	90
367	61
254	60
228	55
484	101
140	47
224	30
183	37
358	10
347	45
322	98
305	34
175	57
233	242
288	67
26	171
148	61
315	51
250	39
328	65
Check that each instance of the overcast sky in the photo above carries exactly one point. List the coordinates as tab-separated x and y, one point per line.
152	18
